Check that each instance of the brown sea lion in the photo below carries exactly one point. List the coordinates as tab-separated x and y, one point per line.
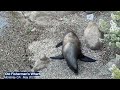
71	51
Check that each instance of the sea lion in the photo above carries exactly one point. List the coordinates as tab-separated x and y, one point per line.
71	51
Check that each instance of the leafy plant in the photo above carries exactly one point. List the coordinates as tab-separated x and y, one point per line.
115	72
114	68
111	29
104	26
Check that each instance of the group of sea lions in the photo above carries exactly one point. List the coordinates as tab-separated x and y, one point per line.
71	46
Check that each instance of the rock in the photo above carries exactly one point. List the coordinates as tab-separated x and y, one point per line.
90	12
93	36
40	64
90	17
46	18
104	70
44	58
34	29
115	61
17	14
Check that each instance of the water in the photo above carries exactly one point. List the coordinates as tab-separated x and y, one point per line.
3	22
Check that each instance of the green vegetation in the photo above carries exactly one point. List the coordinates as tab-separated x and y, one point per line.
111	30
115	72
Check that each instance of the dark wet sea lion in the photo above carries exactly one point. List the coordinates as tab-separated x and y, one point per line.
71	51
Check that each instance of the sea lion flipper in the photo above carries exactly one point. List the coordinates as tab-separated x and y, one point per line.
60	57
59	44
87	59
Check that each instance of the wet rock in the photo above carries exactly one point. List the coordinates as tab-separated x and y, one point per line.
93	36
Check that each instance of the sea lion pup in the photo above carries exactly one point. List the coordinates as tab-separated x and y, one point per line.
93	36
71	52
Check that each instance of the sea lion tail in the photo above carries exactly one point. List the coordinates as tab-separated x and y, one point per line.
58	57
87	59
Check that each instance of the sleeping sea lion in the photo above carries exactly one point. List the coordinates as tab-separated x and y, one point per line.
71	52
